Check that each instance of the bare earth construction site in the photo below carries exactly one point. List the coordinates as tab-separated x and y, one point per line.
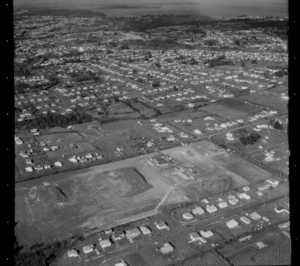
56	206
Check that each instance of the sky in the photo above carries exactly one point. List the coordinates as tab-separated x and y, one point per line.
213	8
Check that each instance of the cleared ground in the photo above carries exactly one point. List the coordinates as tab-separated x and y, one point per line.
116	193
72	202
214	170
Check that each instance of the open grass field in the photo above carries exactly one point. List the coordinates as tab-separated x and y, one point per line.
231	109
70	203
91	131
205	259
269	99
281	88
278	252
224	111
136	259
117	127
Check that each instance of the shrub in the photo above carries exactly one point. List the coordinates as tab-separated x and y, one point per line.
250	139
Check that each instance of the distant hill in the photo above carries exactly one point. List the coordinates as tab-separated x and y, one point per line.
64	12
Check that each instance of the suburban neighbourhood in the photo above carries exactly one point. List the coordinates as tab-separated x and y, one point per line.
158	139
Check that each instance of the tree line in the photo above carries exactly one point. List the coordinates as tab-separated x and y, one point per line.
44	121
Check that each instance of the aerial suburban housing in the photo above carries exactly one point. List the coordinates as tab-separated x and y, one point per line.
156	138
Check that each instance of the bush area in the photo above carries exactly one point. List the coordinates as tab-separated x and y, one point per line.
156	84
21	70
211	42
276	124
20	87
54	120
78	77
250	138
39	254
219	61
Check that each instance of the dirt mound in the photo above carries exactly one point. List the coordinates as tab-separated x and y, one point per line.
58	193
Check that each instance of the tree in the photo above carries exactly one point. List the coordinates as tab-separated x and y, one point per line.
53	79
169	60
237	42
277	125
124	47
20	87
113	44
194	62
156	84
279	73
250	139
210	42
